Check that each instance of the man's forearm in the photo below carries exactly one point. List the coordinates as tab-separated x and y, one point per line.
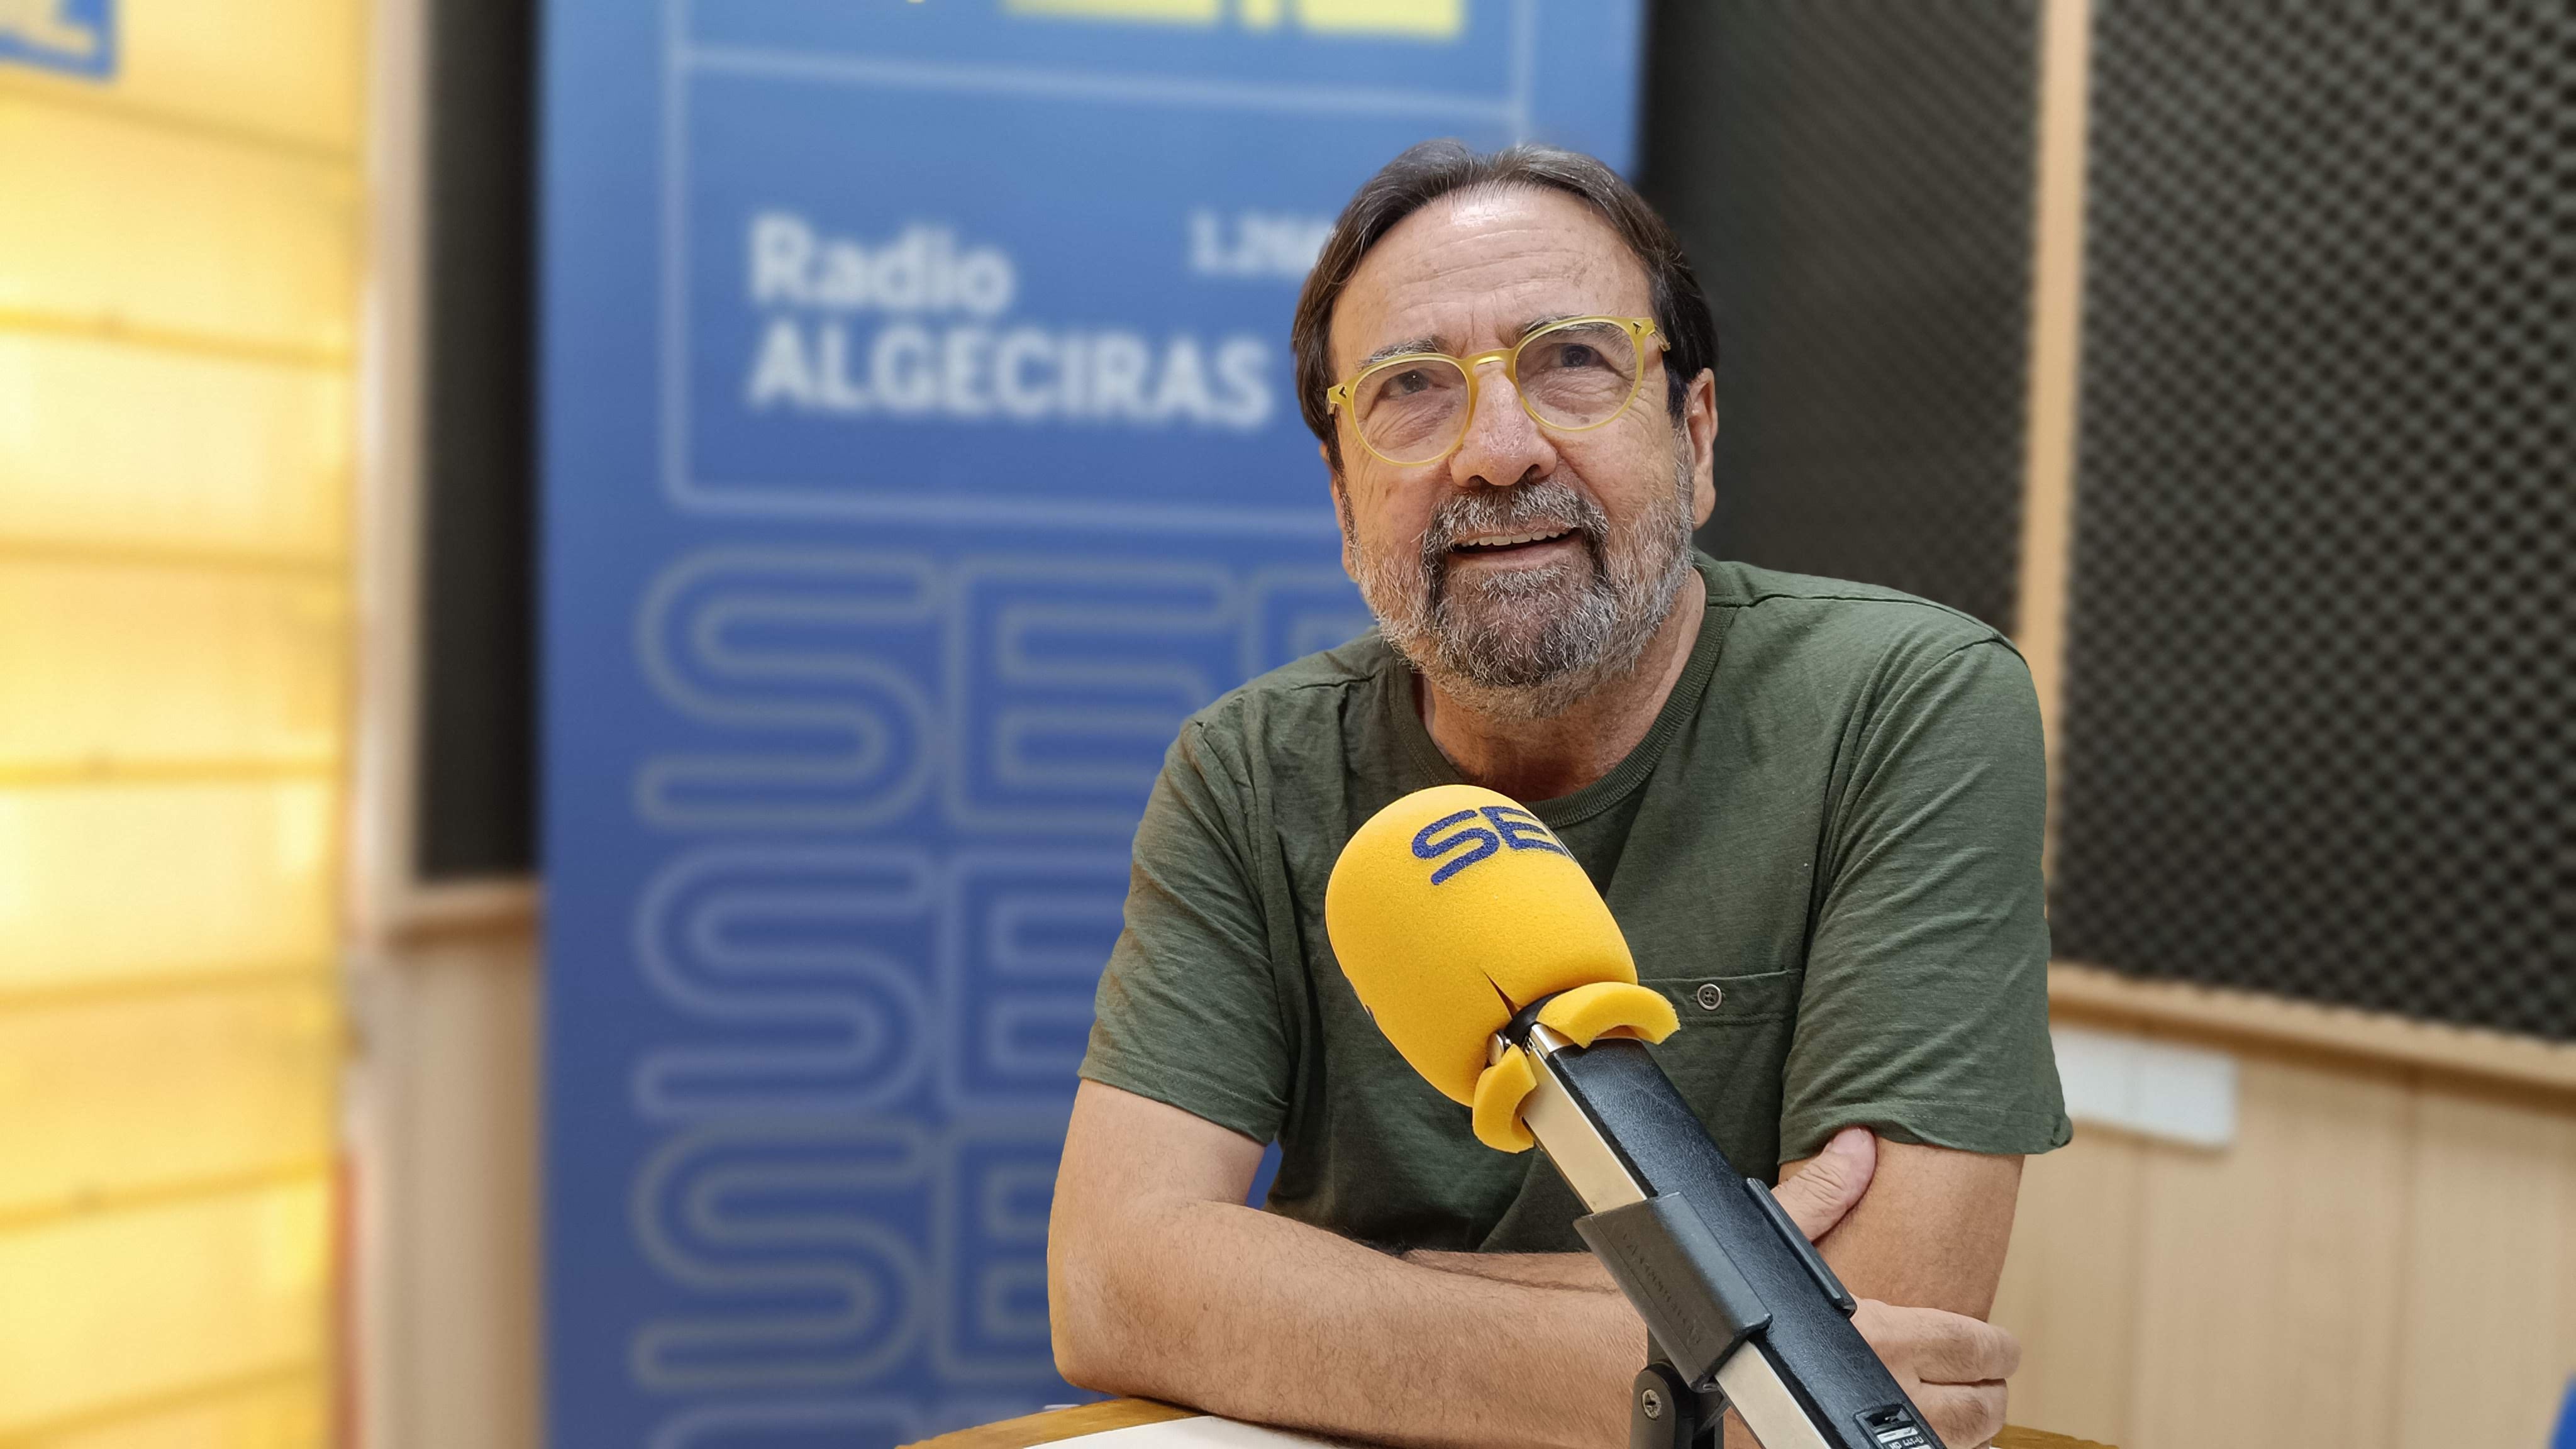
1161	1283
1257	1317
1537	1270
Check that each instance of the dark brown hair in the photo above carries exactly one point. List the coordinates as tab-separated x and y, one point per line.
1434	169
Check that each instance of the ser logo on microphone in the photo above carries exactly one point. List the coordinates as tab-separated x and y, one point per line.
1512	827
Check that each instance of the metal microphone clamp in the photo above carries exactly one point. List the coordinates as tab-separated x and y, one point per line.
1739	1307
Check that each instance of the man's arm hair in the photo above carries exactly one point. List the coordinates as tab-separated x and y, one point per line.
1538	1270
1162	1282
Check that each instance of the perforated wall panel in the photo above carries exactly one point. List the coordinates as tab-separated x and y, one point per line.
2316	733
1852	179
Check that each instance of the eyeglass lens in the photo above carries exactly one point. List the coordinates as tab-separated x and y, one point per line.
1576	375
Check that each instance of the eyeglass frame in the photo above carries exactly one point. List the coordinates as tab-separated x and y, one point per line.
1638	329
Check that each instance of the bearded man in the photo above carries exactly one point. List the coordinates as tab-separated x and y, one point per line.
1814	808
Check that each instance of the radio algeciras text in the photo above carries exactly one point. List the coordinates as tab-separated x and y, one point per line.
939	351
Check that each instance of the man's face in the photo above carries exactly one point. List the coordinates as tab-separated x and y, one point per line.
1516	628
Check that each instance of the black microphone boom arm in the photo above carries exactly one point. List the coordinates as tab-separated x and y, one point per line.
1739	1307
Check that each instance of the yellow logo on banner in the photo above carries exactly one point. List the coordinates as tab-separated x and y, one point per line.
1413	19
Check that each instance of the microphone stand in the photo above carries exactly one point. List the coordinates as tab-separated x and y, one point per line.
1739	1308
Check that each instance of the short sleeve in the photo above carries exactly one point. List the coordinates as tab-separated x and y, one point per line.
1188	1009
1924	1009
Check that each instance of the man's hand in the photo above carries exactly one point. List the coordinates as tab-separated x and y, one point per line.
1162	1283
1952	1366
1820	1192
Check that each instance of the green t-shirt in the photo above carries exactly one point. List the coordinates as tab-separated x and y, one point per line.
1826	851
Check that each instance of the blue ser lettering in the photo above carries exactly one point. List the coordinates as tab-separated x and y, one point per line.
1512	827
1522	831
1484	842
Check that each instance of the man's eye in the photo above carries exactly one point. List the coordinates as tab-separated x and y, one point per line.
1410	381
1576	354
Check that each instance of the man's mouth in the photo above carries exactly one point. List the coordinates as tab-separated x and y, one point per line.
1507	543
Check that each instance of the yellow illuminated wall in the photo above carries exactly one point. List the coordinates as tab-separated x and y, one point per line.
179	258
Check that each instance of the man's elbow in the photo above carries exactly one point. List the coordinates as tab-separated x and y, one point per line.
1080	1356
1078	1362
1080	1325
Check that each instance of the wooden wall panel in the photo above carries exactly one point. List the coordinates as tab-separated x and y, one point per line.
2385	1257
2268	1281
2070	1287
118	231
181	255
2489	1329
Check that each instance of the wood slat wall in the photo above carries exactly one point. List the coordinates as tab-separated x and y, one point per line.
2385	1257
180	259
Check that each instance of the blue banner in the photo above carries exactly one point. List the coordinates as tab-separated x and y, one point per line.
920	450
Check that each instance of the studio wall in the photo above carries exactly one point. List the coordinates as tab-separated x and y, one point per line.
2321	629
2304	642
1854	184
2286	460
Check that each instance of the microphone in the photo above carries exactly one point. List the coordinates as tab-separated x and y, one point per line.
1479	946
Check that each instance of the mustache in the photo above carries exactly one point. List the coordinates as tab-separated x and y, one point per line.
1522	508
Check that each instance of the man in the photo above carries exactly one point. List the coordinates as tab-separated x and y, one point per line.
1814	808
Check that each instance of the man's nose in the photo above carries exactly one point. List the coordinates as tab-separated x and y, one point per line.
1504	445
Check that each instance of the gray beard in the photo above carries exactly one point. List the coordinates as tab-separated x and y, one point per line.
1528	644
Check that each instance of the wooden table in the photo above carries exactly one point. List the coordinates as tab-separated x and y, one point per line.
1057	1424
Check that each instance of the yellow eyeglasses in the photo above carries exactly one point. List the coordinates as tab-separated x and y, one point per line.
1572	376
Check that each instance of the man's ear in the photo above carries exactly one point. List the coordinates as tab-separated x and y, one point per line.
1341	509
1699	415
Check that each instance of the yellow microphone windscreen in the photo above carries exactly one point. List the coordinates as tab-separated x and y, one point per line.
1453	908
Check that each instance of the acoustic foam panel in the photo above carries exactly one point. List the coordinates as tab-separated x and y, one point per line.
2315	737
1853	182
